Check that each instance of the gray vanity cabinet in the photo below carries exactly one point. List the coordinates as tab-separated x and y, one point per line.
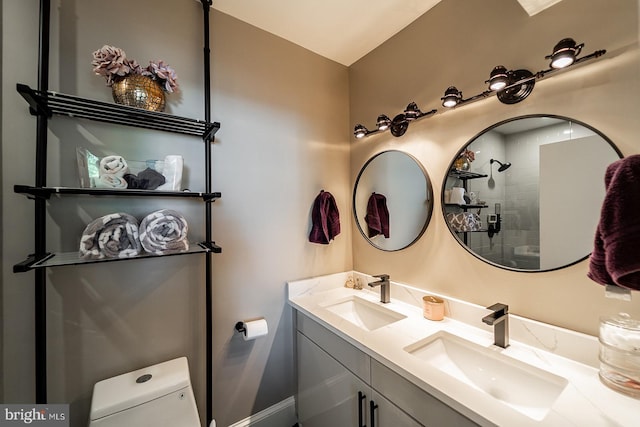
330	394
340	385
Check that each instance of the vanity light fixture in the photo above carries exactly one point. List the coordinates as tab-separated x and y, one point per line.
520	84
513	86
564	53
412	112
398	126
383	122
360	131
400	123
509	86
499	78
451	97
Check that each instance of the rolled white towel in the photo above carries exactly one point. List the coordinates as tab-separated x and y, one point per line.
113	165
111	236
164	232
110	181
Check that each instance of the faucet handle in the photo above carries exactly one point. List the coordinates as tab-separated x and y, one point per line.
499	308
382	276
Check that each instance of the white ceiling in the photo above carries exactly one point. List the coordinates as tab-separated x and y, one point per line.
341	30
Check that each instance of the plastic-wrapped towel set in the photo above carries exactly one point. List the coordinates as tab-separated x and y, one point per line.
114	172
119	235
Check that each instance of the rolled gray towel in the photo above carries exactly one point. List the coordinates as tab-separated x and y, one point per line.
111	236
164	232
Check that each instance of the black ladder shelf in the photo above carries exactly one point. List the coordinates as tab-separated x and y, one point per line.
44	104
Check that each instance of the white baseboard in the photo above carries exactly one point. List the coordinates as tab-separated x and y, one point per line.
281	414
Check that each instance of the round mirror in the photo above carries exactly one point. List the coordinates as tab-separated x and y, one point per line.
392	200
526	193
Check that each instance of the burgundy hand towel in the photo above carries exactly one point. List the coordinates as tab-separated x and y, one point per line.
325	219
615	259
377	217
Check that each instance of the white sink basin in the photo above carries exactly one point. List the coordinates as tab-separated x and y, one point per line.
365	314
523	387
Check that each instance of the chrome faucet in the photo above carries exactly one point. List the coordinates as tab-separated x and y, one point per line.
385	287
499	319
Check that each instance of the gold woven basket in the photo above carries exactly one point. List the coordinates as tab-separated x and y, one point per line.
139	91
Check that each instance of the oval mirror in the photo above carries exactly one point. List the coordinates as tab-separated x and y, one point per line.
526	193
392	200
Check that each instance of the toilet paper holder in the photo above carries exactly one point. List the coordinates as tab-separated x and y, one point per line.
252	329
240	327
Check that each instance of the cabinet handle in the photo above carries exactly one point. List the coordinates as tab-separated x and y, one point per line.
361	398
372	412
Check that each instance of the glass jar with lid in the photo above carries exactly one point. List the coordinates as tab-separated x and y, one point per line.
620	354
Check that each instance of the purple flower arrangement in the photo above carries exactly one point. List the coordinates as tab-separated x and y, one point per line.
112	63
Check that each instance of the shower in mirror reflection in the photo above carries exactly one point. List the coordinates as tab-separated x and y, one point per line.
549	202
503	166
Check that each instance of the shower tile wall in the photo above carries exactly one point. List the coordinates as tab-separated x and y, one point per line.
521	214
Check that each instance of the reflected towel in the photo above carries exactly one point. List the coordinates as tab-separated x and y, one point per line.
325	219
164	232
377	217
615	259
111	236
113	165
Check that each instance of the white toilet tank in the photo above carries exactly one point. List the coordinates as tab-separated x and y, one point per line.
157	396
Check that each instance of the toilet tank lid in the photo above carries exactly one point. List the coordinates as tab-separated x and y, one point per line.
135	388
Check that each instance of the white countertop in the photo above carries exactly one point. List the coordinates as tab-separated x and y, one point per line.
585	401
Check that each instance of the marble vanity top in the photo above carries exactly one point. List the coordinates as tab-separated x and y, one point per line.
585	401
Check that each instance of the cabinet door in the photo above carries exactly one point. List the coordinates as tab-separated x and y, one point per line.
414	401
328	393
351	357
386	414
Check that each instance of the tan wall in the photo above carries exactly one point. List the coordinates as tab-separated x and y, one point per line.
284	112
284	115
458	43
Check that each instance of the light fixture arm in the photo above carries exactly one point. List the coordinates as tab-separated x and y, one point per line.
474	98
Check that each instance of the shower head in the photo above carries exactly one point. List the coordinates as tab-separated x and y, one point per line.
503	166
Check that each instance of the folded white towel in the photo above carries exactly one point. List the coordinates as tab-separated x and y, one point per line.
172	171
113	165
111	236
110	181
164	232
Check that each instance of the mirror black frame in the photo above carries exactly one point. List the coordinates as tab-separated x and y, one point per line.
429	187
488	129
